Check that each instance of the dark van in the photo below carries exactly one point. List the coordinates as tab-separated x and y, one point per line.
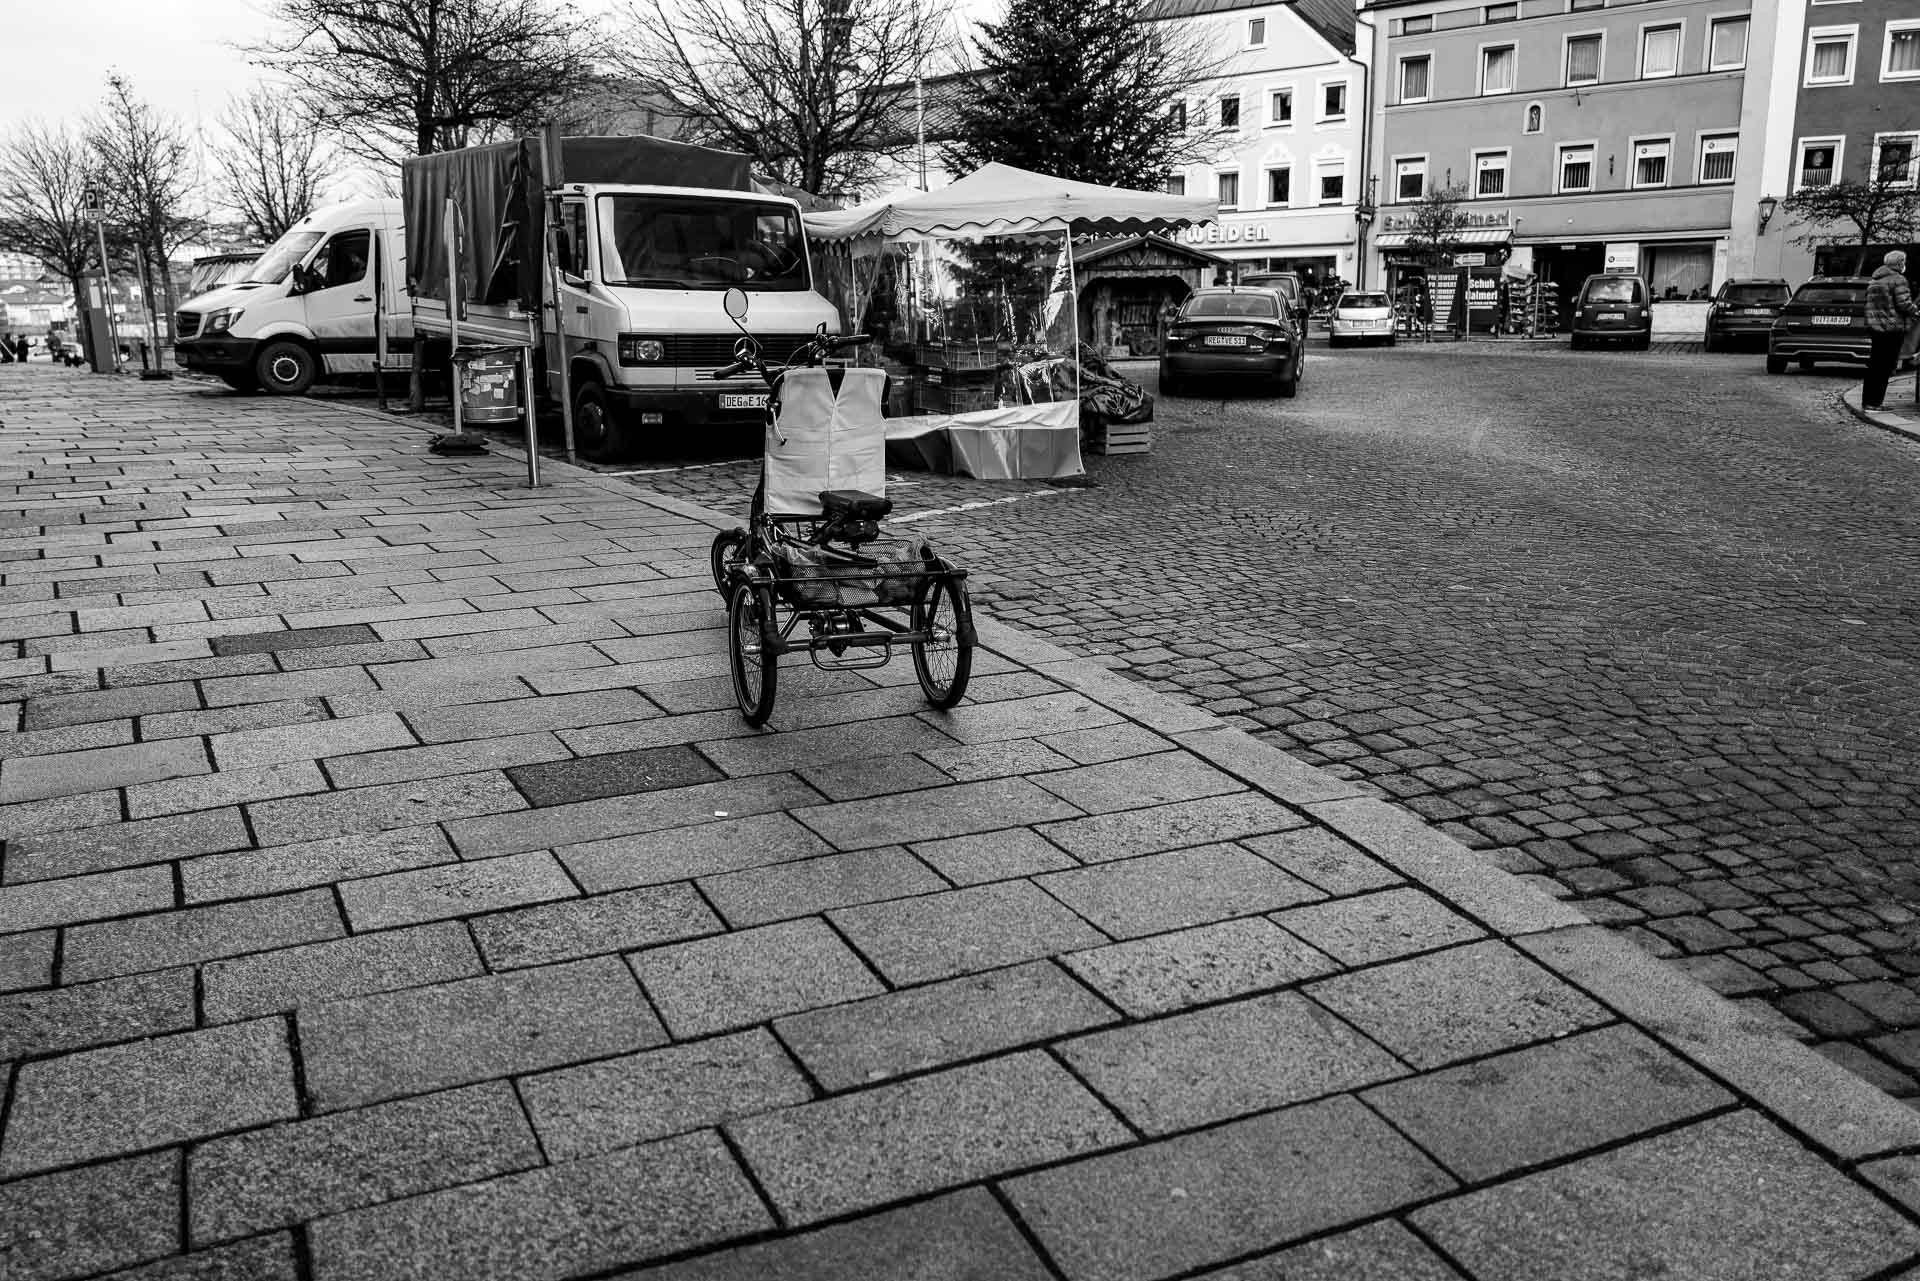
1613	308
1287	285
1744	309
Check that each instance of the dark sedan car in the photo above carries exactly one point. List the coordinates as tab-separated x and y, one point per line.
1744	310
1232	334
1825	320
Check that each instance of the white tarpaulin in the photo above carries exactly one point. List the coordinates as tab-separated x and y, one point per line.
1020	442
1000	200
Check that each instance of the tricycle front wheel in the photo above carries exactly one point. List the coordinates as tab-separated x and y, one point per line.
943	655
756	671
729	549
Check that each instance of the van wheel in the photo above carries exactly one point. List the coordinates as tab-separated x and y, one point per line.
285	368
595	433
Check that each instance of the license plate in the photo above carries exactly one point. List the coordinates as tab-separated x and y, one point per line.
742	400
1757	311
1833	320
1224	340
1613	315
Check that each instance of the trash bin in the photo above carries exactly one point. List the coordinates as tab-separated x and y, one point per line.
489	385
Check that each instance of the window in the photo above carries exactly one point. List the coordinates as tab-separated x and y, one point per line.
1496	69
1583	60
1410	178
1502	12
1659	52
1489	173
1535	114
1901	58
1256	31
1230	111
1280	107
1578	6
1893	158
1819	162
1333	101
1280	186
573	238
344	260
1576	168
1650	163
1177	116
1717	152
1333	185
1177	184
1229	191
1416	26
1413	77
1830	55
1727	44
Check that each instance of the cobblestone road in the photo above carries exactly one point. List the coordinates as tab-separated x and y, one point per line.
1641	626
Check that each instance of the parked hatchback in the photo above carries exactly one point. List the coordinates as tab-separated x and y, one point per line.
1232	333
1613	308
1360	317
1744	309
1825	319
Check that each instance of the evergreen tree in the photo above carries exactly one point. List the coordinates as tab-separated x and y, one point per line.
1081	89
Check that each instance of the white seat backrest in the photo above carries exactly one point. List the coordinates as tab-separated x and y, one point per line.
820	440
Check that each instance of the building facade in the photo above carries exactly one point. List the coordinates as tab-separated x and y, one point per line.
1853	77
1282	129
1581	135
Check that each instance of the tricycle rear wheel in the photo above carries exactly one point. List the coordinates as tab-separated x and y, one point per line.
756	671
943	658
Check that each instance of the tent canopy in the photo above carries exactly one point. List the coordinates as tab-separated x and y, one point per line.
999	200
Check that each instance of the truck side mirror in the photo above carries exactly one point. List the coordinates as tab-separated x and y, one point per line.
736	303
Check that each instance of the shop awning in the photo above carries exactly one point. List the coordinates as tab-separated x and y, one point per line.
1471	236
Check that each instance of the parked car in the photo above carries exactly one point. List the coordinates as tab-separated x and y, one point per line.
1288	284
1612	308
1744	309
1360	317
1233	333
1825	319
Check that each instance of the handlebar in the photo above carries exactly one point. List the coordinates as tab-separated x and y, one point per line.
809	353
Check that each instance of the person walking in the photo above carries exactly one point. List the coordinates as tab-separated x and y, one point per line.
1890	310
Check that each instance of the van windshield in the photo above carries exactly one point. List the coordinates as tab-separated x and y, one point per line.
283	256
1614	289
682	243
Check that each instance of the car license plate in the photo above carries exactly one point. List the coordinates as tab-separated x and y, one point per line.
742	400
1833	320
1224	340
1613	315
1756	311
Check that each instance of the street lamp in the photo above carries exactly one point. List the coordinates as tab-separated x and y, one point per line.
1767	205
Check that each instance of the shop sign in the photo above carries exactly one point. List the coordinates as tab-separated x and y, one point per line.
1622	255
1470	260
1215	233
1490	218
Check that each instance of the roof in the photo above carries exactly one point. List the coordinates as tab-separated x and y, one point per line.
999	200
1088	252
1468	236
1331	20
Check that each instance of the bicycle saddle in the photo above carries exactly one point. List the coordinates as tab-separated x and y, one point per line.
854	504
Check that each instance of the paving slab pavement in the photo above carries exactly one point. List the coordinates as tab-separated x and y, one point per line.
389	889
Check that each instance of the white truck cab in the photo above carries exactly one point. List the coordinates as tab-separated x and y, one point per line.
643	276
312	305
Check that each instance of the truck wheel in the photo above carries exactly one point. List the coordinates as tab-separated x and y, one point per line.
596	434
285	368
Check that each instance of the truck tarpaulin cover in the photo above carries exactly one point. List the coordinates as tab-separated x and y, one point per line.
497	189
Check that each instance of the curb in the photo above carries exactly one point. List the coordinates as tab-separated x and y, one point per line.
1895	423
1840	1115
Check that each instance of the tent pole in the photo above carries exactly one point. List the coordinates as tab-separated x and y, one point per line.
1073	303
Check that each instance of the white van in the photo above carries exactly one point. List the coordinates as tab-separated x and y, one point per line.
311	306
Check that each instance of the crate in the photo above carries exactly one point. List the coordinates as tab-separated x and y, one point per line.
945	391
956	356
1120	438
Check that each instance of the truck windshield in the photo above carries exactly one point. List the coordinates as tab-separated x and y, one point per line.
281	257
685	243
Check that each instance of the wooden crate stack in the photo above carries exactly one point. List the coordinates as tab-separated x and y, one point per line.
1117	438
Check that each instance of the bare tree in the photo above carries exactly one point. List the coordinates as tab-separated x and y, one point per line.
273	158
1885	209
148	178
1434	227
396	78
818	92
43	182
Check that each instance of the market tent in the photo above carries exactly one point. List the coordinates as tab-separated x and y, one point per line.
1000	200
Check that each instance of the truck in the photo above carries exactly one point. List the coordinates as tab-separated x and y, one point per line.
628	314
315	303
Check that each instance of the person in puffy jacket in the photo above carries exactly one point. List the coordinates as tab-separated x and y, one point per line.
1890	310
